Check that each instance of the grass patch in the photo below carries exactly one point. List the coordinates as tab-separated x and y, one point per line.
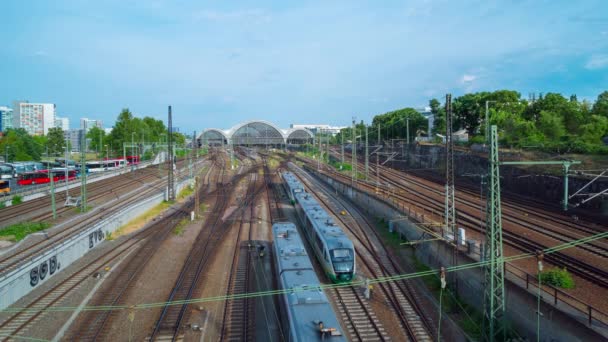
19	231
187	191
16	200
391	239
466	316
558	277
141	220
2	205
86	209
179	229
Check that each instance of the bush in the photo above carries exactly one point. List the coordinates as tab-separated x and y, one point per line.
558	277
20	230
17	200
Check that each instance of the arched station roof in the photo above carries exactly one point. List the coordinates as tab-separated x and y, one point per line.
298	135
256	132
214	136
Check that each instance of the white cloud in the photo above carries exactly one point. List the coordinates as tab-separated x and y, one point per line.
468	78
597	62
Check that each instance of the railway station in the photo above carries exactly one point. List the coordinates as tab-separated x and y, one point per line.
291	223
304	172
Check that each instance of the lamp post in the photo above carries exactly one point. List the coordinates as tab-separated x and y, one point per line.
132	143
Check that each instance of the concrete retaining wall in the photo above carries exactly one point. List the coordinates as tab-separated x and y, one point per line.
521	307
43	266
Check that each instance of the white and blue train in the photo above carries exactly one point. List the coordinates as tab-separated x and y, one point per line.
333	248
307	313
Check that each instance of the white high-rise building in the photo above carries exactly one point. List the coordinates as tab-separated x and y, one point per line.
63	123
90	123
35	118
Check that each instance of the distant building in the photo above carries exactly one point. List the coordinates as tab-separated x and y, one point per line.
63	123
430	117
6	118
35	118
333	130
108	130
90	123
74	136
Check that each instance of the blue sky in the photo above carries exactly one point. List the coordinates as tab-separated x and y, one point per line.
221	62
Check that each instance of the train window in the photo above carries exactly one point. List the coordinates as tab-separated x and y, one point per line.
319	242
342	254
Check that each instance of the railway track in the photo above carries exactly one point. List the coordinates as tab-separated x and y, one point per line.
471	218
17	324
400	294
238	324
360	320
93	325
362	324
169	324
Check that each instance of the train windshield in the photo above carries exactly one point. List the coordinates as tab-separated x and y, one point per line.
342	254
342	259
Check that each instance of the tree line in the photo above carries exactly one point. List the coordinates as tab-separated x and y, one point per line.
550	122
18	145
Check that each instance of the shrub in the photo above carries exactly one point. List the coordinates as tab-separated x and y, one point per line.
558	277
17	200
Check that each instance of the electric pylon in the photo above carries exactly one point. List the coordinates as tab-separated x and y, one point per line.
494	294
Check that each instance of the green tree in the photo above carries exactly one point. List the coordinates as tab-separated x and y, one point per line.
551	125
601	105
394	124
439	117
20	146
98	137
55	141
593	131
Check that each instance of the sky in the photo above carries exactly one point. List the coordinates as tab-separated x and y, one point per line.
219	63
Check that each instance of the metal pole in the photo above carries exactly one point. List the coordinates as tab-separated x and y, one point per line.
67	192
366	154
319	151
132	143
378	158
342	136
407	133
354	153
170	182
566	169
83	172
53	207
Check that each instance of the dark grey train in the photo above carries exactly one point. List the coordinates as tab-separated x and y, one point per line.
305	307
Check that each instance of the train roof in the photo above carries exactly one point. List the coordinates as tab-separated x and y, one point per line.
306	300
292	181
324	223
